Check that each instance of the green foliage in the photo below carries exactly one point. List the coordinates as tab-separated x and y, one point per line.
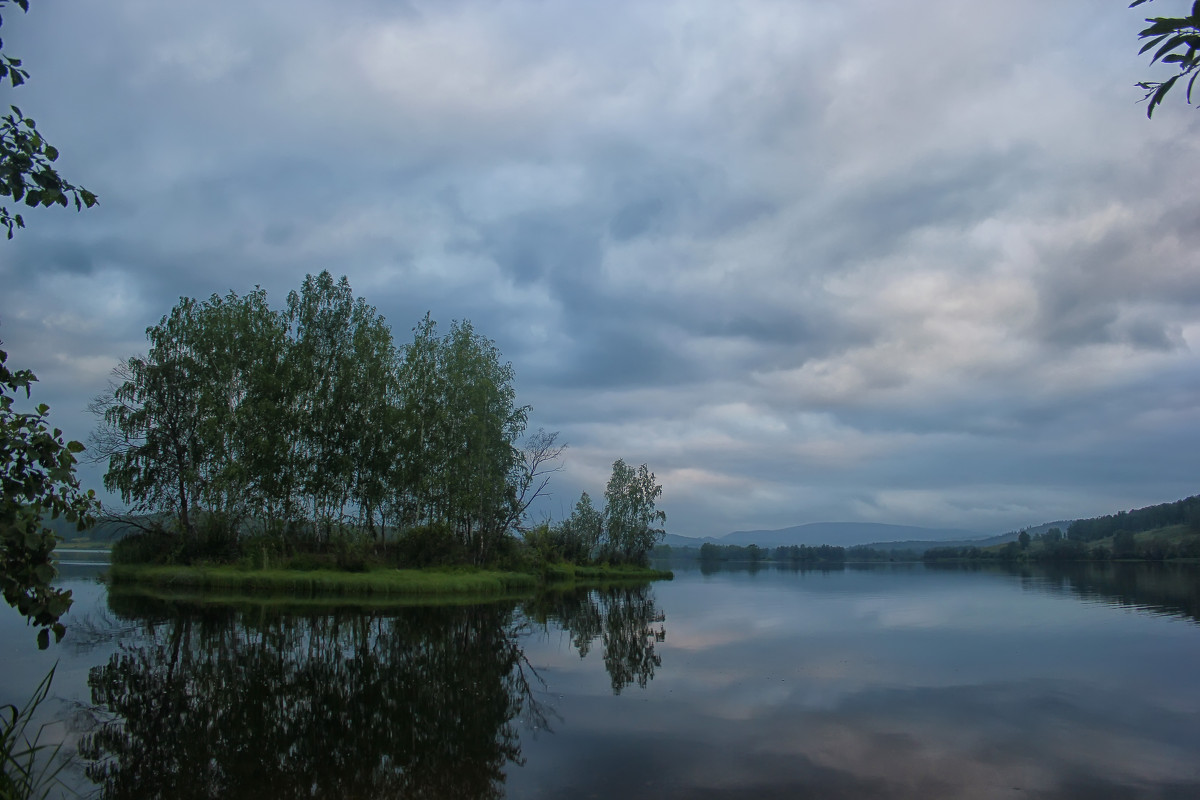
352	553
213	541
1064	550
819	555
459	424
146	547
624	532
629	513
1174	40
798	556
429	545
311	428
37	482
198	423
541	541
339	367
579	536
1181	512
1124	545
480	424
1177	541
27	172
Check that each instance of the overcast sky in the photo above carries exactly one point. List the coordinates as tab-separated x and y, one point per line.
810	260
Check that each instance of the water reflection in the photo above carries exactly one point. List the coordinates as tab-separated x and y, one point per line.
213	701
624	619
1169	589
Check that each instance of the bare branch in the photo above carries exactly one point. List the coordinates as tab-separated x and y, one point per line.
539	460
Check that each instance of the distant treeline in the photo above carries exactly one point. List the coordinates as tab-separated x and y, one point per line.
1156	533
1181	512
799	555
1125	546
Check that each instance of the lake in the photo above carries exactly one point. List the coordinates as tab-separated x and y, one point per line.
891	682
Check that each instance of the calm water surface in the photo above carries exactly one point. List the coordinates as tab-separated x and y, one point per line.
895	682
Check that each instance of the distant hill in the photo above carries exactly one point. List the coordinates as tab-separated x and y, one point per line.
846	534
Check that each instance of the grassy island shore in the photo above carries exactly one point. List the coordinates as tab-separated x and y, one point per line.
379	582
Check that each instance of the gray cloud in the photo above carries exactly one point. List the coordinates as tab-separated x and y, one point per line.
809	261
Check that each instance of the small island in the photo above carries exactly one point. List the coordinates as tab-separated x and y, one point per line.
301	451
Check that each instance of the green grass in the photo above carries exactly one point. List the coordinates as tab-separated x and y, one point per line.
456	582
308	583
1172	534
84	544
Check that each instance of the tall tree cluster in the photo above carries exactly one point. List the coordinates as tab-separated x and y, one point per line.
310	423
626	530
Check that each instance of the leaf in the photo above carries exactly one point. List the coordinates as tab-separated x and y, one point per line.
43	639
1171	44
1156	97
1152	43
1160	25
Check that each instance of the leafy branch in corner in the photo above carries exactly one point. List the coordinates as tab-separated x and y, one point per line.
27	172
1177	40
37	482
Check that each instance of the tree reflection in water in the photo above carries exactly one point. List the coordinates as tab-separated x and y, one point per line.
417	704
623	619
210	701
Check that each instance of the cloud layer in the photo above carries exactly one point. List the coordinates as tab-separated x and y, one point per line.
924	264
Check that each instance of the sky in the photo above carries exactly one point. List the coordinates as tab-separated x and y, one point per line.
809	260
